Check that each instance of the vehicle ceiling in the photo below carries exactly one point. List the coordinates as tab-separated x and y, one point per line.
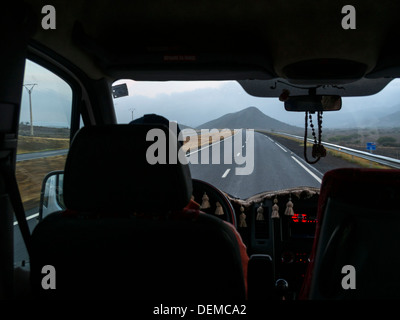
229	40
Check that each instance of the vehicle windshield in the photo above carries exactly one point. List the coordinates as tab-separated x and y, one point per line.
257	146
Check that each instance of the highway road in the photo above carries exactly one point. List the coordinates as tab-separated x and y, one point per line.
41	154
275	168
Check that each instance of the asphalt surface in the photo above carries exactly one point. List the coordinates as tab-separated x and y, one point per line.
20	253
275	168
42	154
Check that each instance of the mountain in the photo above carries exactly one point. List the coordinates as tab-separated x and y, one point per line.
390	121
358	117
251	118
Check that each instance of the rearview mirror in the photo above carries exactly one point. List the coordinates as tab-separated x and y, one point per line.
313	103
51	195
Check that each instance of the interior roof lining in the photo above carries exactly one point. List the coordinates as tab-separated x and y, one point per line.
265	28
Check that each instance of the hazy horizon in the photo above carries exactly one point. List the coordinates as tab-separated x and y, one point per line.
193	103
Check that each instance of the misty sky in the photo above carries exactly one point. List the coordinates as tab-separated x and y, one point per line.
51	98
192	102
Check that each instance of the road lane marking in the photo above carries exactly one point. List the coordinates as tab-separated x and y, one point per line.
305	168
226	173
28	218
270	139
280	147
238	154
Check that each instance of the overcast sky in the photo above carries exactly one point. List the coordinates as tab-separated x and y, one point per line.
51	98
191	103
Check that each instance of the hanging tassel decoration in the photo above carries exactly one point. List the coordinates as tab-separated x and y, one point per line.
260	213
289	207
275	210
218	210
205	203
242	223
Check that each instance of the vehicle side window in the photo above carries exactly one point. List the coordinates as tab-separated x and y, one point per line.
44	130
43	138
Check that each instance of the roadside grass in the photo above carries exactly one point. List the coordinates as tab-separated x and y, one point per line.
27	144
353	159
194	144
357	160
30	175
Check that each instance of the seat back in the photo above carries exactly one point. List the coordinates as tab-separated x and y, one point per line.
119	237
354	255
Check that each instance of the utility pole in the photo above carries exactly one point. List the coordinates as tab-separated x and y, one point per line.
29	88
132	109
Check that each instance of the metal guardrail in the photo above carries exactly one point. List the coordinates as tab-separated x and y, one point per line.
387	161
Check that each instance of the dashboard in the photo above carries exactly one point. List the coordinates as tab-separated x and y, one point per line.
280	224
288	239
294	243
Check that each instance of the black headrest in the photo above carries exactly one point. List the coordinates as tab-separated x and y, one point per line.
107	170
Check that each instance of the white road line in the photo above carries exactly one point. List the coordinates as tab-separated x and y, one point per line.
238	154
28	218
305	168
226	173
280	147
270	139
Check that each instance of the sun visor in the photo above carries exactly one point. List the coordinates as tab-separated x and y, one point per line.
148	59
273	88
337	71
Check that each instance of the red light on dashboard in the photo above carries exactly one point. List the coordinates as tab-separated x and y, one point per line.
301	217
297	217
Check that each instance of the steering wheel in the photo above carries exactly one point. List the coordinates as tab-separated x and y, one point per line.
225	212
